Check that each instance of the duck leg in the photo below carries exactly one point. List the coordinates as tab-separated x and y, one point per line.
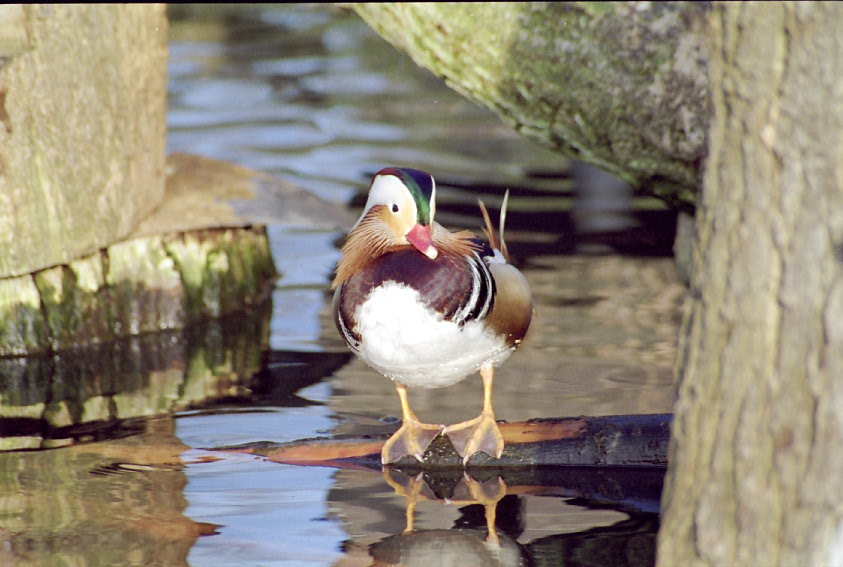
413	437
482	432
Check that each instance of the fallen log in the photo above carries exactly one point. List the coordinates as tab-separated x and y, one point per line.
618	461
608	441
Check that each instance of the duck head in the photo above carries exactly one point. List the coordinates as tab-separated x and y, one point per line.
401	206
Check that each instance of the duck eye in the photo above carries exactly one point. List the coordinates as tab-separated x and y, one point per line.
394	208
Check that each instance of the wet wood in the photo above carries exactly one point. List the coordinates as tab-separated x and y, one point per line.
609	441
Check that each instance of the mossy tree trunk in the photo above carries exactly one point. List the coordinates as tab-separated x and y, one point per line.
83	92
621	85
756	466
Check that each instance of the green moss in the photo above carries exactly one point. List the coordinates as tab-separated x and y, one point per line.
74	299
146	292
23	327
596	8
137	286
223	270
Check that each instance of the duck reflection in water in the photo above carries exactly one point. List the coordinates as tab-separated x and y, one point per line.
463	547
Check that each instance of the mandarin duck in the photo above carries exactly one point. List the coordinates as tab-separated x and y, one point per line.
426	307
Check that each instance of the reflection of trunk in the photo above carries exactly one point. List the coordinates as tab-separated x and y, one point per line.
115	503
756	465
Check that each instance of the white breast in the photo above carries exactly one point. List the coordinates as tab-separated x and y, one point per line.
410	343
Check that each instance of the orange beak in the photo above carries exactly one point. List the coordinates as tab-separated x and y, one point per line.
420	238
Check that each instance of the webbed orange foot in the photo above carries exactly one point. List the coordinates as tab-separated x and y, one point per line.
479	434
412	438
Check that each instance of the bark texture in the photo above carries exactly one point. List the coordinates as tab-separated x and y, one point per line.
621	85
82	128
756	464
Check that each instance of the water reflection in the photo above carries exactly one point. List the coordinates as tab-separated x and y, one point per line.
468	490
268	514
457	519
96	504
100	391
452	547
307	259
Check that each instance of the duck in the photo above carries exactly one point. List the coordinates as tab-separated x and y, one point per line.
427	307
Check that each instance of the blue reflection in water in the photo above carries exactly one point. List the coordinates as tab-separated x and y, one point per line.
269	514
306	260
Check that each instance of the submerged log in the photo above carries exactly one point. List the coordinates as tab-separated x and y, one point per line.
610	441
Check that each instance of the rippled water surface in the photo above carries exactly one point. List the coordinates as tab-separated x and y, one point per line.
311	95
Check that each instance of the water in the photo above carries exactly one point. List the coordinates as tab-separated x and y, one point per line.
310	94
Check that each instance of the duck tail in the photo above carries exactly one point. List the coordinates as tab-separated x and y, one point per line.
496	239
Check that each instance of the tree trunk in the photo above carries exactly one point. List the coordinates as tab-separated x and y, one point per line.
756	461
83	101
621	85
